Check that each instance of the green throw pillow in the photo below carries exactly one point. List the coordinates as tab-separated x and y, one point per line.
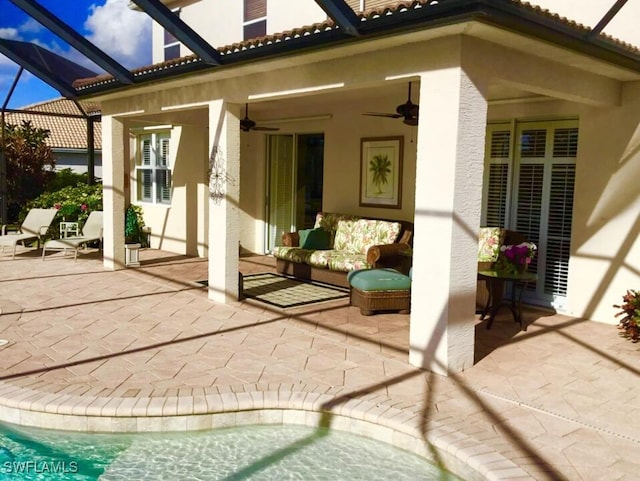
314	238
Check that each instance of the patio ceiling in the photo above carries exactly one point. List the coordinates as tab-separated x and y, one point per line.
344	28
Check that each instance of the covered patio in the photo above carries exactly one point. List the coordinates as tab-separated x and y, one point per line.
139	349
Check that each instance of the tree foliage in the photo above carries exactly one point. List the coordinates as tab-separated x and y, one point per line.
30	164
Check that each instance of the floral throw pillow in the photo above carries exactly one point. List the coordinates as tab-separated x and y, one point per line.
489	242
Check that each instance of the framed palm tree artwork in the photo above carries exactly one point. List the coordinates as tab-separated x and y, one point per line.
381	172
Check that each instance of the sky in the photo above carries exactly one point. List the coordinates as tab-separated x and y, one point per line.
111	25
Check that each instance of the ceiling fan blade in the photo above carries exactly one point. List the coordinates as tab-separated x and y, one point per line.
380	114
265	128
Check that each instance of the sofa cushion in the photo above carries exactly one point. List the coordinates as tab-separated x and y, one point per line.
346	236
293	254
359	235
314	238
338	260
329	222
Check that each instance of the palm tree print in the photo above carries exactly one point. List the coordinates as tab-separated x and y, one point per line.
380	166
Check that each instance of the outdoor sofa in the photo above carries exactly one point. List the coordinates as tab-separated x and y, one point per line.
340	243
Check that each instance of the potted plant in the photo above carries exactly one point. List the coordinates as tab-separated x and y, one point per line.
133	236
630	323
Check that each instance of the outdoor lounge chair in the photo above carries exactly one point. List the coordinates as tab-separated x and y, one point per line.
34	227
91	232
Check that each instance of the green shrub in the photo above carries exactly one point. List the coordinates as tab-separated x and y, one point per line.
133	225
66	178
73	204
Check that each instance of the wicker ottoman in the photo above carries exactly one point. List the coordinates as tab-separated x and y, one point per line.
380	290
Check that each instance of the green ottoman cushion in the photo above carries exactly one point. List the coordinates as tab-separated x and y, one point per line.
379	280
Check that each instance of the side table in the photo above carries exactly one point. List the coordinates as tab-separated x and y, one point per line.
496	282
69	229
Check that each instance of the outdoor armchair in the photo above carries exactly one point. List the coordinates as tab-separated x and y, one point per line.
34	227
91	232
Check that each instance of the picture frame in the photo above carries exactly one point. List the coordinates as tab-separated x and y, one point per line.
381	172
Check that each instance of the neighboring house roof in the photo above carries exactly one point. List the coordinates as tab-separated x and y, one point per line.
401	17
67	129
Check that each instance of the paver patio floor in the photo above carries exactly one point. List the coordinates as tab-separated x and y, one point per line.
558	401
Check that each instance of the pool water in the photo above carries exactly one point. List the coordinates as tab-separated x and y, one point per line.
268	452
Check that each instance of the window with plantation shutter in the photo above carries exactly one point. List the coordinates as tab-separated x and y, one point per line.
153	173
530	189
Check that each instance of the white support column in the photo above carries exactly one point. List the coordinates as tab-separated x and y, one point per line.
224	219
113	181
449	170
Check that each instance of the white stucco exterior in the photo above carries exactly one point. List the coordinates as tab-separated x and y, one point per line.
465	76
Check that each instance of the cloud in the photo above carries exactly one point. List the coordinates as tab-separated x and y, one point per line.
123	33
31	26
10	33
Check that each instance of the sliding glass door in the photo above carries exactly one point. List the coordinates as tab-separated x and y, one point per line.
295	168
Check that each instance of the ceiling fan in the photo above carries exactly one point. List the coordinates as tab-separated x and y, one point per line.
247	124
407	111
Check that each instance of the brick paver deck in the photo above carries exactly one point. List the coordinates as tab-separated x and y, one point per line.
145	350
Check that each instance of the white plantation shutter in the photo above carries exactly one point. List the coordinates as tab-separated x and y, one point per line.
145	183
562	181
529	204
497	191
496	183
146	150
163	186
162	159
559	228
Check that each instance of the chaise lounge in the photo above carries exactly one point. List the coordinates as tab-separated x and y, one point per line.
91	232
34	227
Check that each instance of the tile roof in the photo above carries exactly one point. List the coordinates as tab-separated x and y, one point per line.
394	16
65	132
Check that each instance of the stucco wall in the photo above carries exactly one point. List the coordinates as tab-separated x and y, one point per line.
343	133
175	227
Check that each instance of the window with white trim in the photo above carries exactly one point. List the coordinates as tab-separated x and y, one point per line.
529	180
153	169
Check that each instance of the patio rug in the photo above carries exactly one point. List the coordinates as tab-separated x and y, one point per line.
284	292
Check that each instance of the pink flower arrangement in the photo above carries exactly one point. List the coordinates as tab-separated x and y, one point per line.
57	206
84	207
516	258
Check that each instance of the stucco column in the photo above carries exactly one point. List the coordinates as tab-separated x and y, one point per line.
449	170
224	219
113	181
